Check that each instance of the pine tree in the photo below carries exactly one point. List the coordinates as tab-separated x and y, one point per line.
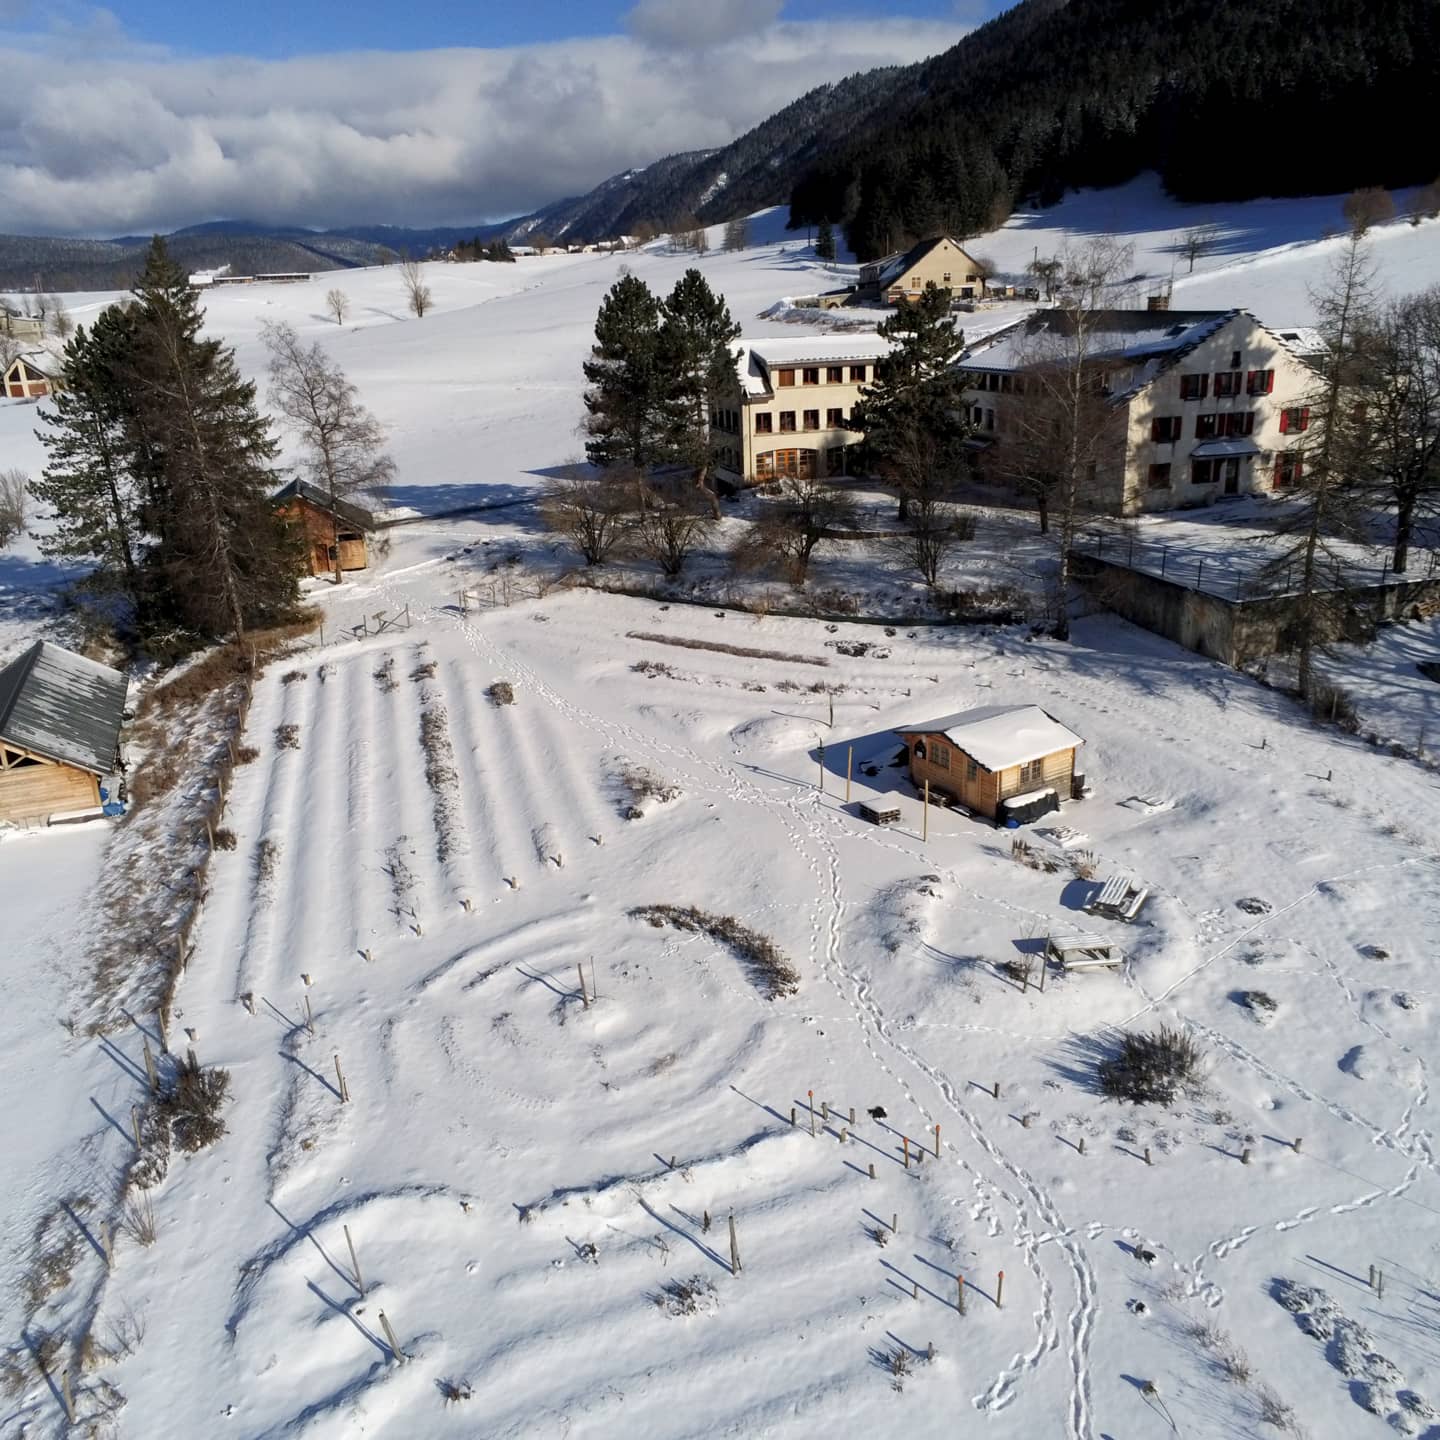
697	338
87	481
825	241
223	560
913	416
623	398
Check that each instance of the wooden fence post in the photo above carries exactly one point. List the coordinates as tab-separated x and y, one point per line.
340	1076
150	1070
849	765
390	1340
937	1142
584	998
355	1264
960	1293
734	1247
1000	1290
135	1125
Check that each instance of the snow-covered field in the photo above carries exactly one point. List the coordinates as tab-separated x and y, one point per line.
430	868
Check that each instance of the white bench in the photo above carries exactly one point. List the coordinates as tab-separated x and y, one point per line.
1083	952
1120	896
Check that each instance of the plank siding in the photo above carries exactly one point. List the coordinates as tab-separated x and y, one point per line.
36	792
983	791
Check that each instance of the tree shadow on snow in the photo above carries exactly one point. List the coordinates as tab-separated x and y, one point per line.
1079	1057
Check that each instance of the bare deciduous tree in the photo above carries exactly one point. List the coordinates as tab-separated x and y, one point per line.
670	528
936	527
1197	242
788	529
737	233
14	499
1365	208
1424	203
60	322
417	292
1046	270
341	440
593	511
338	304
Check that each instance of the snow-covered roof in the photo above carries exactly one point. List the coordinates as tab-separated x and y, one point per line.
755	358
890	268
62	706
1134	336
998	737
41	361
298	489
1305	340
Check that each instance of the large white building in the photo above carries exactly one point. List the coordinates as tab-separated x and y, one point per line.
1201	403
791	408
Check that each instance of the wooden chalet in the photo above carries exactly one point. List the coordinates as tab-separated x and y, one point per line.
1004	761
60	720
332	531
29	376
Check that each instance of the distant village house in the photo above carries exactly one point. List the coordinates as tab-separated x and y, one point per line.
1003	761
30	376
60	717
331	531
938	261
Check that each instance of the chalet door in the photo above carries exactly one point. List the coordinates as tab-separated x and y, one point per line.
1232	475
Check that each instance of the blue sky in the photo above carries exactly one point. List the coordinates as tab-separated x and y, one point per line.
280	28
155	114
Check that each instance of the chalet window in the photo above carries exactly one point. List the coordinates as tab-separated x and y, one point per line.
1194	387
1238	422
764	423
784	377
1294	420
1159	477
1206	426
834	419
1032	772
972	769
1234	359
787	420
1259	382
1227	382
835	460
857	374
1165	429
1289	469
1204	472
940	756
811	419
947	277
834	374
810	375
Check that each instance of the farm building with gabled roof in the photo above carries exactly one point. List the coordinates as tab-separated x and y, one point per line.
334	531
60	720
999	760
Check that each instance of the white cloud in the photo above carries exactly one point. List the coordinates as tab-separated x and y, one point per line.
118	138
698	24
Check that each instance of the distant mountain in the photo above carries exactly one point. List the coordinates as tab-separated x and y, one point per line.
248	247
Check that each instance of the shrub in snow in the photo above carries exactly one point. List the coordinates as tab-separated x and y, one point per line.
287	737
770	970
641	785
695	1296
193	1106
1150	1069
501	693
1261	1006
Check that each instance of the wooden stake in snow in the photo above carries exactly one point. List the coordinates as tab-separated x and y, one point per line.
792	1115
1081	1146
150	1066
997	1089
584	998
465	905
355	1264
872	1169
1000	1290
1245	1156
67	1395
907	1152
937	1142
594	988
895	1223
734	1248
1379	1284
390	1340
852	1117
810	1095
135	1125
309	1015
1297	1144
849	765
344	1088
844	1134
824	1112
1147	1154
960	1293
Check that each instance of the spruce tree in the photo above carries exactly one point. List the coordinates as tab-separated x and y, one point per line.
697	338
914	415
825	241
622	375
88	481
223	560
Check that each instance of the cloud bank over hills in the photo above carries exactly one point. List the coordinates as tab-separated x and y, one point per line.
102	135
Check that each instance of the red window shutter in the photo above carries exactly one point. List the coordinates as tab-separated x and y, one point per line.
1305	418
1284	422
1269	381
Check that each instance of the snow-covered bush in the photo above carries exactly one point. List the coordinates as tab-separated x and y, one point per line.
1150	1069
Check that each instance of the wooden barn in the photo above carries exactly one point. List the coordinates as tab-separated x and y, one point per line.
59	732
1004	761
333	532
29	376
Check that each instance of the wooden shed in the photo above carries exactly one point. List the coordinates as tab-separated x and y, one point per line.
26	380
998	760
333	530
60	720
